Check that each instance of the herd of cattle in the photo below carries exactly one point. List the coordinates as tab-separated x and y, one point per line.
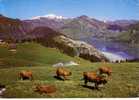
97	77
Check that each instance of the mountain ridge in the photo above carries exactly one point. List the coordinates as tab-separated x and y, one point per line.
84	26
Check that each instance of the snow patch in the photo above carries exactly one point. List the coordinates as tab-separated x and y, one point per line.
49	16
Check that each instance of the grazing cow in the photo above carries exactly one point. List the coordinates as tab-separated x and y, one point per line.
25	75
45	89
63	72
93	77
105	70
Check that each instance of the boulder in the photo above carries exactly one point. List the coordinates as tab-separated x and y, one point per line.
62	64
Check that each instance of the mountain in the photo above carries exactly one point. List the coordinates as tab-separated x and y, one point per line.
45	22
15	30
120	24
82	26
131	35
75	28
51	21
45	29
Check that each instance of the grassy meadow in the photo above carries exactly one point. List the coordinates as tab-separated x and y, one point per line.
31	56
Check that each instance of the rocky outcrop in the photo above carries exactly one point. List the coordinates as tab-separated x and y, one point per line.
78	48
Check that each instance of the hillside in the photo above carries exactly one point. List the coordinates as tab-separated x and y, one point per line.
39	59
131	36
31	54
13	30
82	27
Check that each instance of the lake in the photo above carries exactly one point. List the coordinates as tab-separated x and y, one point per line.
116	49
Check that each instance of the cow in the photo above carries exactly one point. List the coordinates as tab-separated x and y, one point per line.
63	72
45	89
94	78
25	75
105	70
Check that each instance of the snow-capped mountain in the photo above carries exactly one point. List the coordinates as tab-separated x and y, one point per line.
49	16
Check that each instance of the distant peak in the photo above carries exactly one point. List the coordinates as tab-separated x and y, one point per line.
50	16
83	16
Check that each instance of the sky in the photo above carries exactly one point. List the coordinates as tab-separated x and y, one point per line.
99	9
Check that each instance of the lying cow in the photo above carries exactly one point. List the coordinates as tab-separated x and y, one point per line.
63	72
105	70
45	89
25	75
94	78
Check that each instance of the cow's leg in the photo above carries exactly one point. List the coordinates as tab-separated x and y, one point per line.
58	76
65	77
31	77
96	86
40	92
109	74
85	82
20	78
100	72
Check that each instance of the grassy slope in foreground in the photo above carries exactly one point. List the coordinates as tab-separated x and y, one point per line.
123	83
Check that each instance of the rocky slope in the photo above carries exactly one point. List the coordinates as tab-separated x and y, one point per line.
78	48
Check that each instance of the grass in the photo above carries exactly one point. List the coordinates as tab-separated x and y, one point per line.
31	54
123	83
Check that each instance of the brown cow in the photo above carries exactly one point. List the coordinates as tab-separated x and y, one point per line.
63	72
25	75
93	77
105	70
45	89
